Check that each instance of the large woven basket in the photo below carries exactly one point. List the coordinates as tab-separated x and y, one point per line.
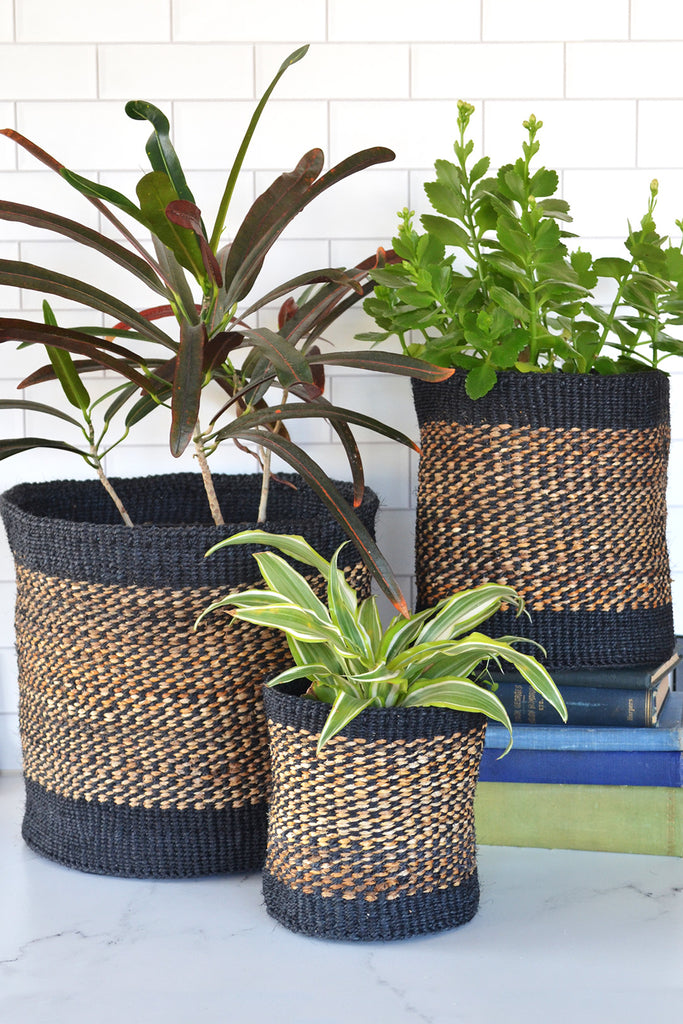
144	742
374	839
556	485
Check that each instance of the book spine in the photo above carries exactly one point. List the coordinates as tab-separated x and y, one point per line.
585	706
619	819
584	767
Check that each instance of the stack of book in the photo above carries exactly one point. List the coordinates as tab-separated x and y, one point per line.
611	779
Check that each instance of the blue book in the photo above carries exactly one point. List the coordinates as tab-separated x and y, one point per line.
585	767
667	734
630	677
587	705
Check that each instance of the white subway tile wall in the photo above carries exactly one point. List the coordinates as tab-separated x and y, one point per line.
604	77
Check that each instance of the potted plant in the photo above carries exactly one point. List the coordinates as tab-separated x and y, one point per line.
375	757
555	397
144	744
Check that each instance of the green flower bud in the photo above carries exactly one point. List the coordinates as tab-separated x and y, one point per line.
465	111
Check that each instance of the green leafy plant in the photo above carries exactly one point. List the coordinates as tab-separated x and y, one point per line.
215	339
492	285
427	659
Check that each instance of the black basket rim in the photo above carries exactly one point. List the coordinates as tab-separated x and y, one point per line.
103	549
22	499
285	705
550	400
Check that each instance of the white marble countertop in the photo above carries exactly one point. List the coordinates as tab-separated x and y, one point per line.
561	938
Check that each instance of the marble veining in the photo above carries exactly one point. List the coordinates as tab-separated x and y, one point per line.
561	936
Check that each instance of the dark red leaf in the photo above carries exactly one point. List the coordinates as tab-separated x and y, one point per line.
218	348
47	372
98	349
287	311
266	220
188	215
187	385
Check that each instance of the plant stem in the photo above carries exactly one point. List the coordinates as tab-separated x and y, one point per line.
611	316
211	495
265	485
470	225
106	483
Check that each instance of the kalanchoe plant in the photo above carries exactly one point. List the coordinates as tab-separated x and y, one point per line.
215	340
492	284
427	659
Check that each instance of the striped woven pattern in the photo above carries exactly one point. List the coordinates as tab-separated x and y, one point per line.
558	502
373	839
126	703
145	744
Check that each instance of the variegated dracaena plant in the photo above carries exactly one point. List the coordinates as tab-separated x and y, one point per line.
214	340
429	658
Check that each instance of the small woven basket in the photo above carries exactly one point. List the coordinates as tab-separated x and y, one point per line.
374	839
144	741
556	485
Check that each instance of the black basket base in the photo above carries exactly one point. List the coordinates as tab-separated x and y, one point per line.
381	920
132	842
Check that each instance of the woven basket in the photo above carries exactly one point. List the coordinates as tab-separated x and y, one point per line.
556	485
374	839
144	742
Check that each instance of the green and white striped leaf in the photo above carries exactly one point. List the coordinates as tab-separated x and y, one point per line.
460	695
289	544
298	672
317	653
467	609
368	617
296	622
345	708
538	677
343	605
401	632
460	665
284	580
245	599
387	688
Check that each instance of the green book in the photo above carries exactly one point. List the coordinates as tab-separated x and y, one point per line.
619	819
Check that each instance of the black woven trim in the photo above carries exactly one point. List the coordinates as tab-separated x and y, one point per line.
70	528
107	839
558	400
378	921
575	640
285	707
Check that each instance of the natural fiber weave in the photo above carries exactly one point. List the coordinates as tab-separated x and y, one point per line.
563	499
374	839
145	744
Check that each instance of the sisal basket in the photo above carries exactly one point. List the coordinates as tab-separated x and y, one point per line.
374	839
554	484
144	742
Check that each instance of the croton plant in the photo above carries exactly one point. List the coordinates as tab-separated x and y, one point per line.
203	287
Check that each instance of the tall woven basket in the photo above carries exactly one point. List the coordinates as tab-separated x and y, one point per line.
556	485
144	742
374	839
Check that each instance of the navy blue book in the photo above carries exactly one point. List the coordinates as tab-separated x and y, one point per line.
585	767
667	734
586	705
631	677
